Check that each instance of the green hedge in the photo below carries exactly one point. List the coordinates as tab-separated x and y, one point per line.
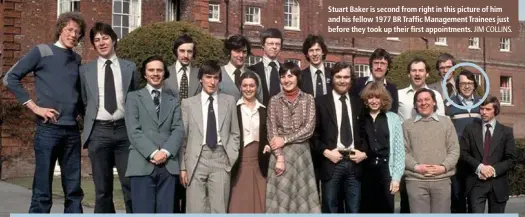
517	175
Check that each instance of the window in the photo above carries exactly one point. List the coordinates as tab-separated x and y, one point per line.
362	70
329	64
251	60
291	14
126	16
473	42
441	41
392	38
296	61
479	78
505	88
68	6
172	9
504	44
253	15
214	12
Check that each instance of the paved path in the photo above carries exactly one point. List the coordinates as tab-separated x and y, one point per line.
16	199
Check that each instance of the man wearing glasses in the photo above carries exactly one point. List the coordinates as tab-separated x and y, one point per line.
466	83
444	62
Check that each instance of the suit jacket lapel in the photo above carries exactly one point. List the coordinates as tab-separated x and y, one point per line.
496	137
194	81
331	108
147	101
259	69
328	74
166	106
227	83
223	109
126	75
307	81
479	138
92	79
197	112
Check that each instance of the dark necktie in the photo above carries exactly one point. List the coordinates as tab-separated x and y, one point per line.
274	80
450	89
345	132
184	84
237	74
156	100
319	88
211	127
486	145
110	96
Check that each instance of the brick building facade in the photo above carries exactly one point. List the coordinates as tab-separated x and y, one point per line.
24	23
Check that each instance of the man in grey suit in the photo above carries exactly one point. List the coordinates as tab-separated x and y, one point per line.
237	47
154	123
105	84
444	62
211	144
184	81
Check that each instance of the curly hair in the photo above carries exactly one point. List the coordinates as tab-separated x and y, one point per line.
377	89
64	18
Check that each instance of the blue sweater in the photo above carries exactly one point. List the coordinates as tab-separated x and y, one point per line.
461	117
57	80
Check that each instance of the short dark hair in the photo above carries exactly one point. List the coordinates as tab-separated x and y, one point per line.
310	41
151	59
271	33
340	66
293	68
469	75
64	18
381	53
103	28
495	103
418	60
237	42
252	75
443	57
184	39
210	67
425	90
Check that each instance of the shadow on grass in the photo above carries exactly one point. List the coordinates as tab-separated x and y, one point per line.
87	186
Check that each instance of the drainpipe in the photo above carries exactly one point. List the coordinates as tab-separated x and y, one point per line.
227	33
484	58
242	17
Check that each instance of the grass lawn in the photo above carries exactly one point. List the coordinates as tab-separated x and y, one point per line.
87	186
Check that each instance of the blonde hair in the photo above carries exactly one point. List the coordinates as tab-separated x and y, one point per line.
377	89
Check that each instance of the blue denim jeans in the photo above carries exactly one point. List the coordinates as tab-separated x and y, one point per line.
343	180
54	143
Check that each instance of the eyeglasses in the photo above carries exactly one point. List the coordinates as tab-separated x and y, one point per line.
463	84
273	44
73	30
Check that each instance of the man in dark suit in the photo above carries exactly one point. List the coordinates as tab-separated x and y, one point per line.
444	62
155	126
316	78
106	83
488	148
268	68
338	140
380	62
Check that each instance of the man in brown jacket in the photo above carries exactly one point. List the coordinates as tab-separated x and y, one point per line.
430	157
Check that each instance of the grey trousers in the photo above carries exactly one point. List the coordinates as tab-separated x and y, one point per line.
429	196
209	191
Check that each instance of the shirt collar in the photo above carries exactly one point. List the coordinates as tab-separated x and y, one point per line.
492	123
257	103
266	61
230	68
471	98
60	45
113	58
313	69
178	67
410	88
433	116
205	96
371	79
151	88
337	96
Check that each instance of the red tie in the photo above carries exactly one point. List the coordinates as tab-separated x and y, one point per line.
486	145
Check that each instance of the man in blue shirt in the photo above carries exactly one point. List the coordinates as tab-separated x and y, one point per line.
57	108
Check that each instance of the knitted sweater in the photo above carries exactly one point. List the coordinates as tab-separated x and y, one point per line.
430	141
396	160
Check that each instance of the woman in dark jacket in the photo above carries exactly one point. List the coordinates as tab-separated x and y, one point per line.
248	193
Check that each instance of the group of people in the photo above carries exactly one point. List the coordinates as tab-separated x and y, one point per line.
265	138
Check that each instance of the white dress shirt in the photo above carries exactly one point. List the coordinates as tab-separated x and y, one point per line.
150	89
205	103
250	121
339	114
492	125
179	72
268	69
406	108
102	114
313	72
230	69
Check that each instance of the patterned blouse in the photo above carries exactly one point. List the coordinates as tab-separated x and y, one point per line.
294	121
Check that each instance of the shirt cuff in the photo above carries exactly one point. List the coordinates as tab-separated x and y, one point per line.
494	171
166	151
478	170
153	154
